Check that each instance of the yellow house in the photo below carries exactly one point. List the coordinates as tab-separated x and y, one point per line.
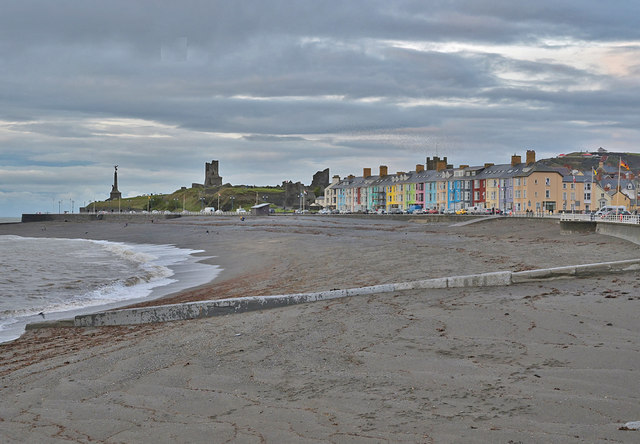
542	189
619	198
573	195
442	196
396	192
600	196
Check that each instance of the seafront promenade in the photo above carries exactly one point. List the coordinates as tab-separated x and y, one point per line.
544	361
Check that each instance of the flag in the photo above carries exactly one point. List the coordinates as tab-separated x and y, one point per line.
594	172
624	165
574	179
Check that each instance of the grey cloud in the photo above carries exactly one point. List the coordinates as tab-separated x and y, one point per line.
277	90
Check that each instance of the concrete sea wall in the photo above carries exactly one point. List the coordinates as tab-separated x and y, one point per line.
90	217
203	309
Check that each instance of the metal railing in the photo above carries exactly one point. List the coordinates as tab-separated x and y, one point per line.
613	218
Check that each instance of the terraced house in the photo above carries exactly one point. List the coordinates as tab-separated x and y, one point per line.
514	187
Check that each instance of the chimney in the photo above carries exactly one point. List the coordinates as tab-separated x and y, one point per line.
383	170
419	168
442	165
531	157
335	179
487	165
515	160
464	166
351	177
366	172
398	173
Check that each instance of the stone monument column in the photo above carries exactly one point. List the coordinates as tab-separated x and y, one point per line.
115	194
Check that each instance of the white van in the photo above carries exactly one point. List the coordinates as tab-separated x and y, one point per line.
609	208
208	210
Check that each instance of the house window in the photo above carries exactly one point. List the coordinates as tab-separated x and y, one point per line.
564	196
564	186
547	181
517	181
547	194
524	194
517	194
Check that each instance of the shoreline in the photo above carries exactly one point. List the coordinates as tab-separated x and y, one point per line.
545	361
187	272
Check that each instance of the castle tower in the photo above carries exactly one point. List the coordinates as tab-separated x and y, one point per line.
211	176
115	194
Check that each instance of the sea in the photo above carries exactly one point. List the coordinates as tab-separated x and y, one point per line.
50	278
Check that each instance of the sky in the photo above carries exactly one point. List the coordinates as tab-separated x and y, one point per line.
277	90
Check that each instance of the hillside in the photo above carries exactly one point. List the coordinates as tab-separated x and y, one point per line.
584	161
194	199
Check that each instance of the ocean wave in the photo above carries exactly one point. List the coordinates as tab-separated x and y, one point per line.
126	273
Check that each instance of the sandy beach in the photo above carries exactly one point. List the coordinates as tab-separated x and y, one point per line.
553	361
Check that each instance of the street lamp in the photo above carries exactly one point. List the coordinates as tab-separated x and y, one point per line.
59	207
233	198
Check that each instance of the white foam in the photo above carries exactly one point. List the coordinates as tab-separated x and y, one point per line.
161	270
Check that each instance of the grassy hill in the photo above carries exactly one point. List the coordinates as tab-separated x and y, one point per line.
194	199
584	161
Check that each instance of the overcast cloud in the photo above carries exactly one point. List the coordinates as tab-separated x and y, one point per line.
277	90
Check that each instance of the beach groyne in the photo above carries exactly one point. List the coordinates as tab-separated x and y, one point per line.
204	309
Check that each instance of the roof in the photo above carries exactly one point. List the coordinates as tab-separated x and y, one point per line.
262	205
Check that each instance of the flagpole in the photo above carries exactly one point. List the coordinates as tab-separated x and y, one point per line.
618	189
591	199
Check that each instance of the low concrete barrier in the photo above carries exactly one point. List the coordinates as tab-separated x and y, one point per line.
499	278
571	227
628	232
92	217
203	309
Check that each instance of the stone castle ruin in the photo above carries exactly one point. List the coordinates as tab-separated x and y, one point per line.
211	176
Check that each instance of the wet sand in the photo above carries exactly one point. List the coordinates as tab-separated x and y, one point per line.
546	362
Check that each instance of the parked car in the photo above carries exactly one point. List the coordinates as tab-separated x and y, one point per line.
461	211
